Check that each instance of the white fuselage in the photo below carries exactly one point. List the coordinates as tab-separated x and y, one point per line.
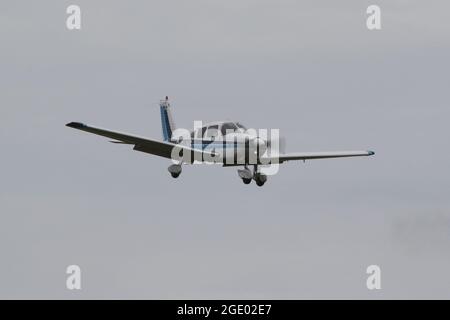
230	143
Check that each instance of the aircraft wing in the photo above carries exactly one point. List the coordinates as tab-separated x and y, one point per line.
159	148
317	155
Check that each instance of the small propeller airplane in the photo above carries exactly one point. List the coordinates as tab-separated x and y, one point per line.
225	142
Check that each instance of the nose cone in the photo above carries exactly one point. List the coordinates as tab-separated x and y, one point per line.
258	145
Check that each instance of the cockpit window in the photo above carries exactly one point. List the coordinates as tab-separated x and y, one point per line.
228	127
212	132
240	126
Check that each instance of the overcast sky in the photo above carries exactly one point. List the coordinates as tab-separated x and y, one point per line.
309	68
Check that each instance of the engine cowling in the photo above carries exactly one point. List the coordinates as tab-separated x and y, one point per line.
258	145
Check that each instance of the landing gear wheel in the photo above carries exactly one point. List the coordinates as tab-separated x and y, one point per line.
260	179
259	183
175	170
246	175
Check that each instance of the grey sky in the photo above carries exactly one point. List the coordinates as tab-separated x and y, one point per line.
309	68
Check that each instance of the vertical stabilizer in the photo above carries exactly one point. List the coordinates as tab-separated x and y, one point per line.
166	119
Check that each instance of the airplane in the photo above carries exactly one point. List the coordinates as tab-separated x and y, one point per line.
228	143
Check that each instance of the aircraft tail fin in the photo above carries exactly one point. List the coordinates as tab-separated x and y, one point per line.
166	119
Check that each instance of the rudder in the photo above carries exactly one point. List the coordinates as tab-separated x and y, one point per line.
166	119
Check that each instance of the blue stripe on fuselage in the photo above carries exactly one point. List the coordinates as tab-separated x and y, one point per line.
215	144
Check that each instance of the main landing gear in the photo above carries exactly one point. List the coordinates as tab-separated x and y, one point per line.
260	179
247	176
175	170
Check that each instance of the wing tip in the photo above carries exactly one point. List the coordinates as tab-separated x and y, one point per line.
76	125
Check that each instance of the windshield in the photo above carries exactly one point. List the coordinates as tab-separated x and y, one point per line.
240	126
228	127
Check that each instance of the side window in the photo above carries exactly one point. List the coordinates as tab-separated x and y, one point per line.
197	134
227	128
203	132
212	132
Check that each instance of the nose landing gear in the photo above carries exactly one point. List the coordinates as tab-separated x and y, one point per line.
247	176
